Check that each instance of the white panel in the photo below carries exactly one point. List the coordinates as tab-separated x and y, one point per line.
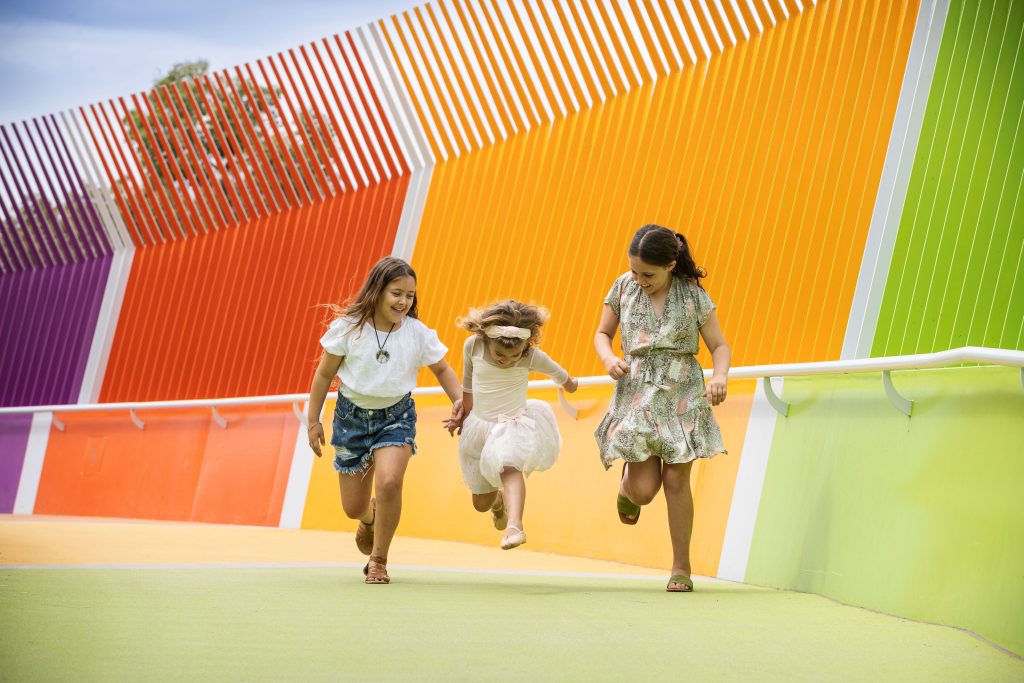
298	480
32	467
106	325
892	191
397	102
746	495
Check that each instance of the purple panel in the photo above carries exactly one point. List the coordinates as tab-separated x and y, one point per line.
49	317
14	431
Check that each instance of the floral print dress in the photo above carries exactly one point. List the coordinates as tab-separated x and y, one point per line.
658	408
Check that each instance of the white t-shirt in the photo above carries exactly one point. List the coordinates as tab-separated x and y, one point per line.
368	383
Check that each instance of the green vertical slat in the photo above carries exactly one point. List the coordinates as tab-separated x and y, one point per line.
954	272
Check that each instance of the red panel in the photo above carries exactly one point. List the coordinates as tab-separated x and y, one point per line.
233	312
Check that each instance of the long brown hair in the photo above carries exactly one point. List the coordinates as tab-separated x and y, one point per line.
507	313
383	273
660	246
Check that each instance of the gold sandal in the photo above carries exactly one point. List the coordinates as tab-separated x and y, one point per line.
376	570
364	532
680	583
499	513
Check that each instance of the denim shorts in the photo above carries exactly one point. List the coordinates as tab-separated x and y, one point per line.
358	432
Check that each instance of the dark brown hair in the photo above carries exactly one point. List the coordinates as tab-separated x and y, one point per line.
507	313
660	246
383	273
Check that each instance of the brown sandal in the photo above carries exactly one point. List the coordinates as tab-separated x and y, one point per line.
376	570
364	533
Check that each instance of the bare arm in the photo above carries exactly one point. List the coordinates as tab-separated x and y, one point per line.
325	372
721	357
615	366
449	381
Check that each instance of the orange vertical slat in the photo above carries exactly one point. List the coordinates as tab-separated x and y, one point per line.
207	220
216	144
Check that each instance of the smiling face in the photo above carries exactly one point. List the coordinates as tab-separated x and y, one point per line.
652	279
504	356
395	301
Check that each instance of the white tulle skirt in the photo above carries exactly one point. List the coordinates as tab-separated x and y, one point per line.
528	443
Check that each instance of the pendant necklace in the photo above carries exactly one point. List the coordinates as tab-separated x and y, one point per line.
382	355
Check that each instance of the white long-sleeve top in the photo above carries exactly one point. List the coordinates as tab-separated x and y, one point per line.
501	391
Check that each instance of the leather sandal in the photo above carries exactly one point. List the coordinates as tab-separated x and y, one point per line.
364	532
376	570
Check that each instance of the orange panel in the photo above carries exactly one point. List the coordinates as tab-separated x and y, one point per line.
182	466
748	157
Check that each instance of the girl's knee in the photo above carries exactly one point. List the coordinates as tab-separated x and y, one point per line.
676	479
355	509
642	495
388	486
482	502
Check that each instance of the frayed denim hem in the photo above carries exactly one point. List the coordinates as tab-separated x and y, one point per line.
362	466
408	442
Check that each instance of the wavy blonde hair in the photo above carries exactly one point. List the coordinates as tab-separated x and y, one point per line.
507	313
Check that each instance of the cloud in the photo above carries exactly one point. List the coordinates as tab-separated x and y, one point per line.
48	65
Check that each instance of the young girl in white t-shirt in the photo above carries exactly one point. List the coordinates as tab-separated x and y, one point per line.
376	346
506	436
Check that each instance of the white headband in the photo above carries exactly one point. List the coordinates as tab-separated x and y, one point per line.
496	331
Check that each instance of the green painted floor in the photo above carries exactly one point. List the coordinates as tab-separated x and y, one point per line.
322	623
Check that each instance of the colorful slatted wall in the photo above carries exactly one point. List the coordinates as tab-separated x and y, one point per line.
831	162
956	277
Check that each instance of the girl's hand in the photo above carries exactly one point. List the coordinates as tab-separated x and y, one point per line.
453	426
616	367
715	389
571	385
454	421
316	437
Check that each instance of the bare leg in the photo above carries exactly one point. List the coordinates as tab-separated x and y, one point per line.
679	500
642	481
355	495
515	495
482	502
390	463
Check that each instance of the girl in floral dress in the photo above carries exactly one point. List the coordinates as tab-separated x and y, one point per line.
660	418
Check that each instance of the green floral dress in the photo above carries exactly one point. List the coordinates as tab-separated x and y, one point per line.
658	408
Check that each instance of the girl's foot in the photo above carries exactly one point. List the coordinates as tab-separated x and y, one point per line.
364	533
514	537
376	570
499	513
629	512
679	583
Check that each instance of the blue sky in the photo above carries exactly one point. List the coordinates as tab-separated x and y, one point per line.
55	55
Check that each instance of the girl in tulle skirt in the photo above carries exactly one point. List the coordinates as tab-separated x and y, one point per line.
505	436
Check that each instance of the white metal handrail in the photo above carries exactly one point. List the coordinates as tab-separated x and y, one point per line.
885	365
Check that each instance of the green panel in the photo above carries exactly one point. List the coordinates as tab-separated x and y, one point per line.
920	517
956	267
